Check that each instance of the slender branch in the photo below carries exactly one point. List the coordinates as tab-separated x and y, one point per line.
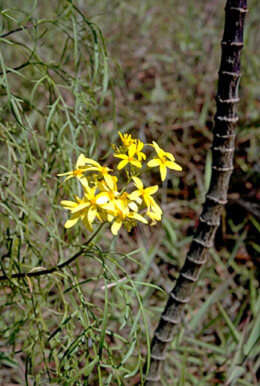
20	29
57	267
25	64
222	166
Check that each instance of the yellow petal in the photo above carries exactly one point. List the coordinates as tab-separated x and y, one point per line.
81	161
134	195
122	164
174	166
109	206
170	156
157	148
72	221
132	150
154	162
120	204
133	206
151	189
110	217
116	226
92	212
147	201
138	183
84	183
155	207
163	171
138	217
91	162
123	156
136	163
65	174
80	207
69	204
153	216
109	181
139	145
93	169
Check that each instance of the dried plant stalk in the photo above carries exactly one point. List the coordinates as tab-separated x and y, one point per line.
222	166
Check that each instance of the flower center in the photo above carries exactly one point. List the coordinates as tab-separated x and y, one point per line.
163	159
77	172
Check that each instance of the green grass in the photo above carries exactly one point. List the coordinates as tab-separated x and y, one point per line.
88	71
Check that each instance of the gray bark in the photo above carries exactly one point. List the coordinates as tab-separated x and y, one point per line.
222	166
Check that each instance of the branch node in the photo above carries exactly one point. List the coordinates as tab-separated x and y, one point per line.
228	100
179	300
225	135
218	168
210	223
238	9
196	261
189	277
224	149
236	44
169	320
227	119
215	199
205	244
164	340
158	357
230	73
152	379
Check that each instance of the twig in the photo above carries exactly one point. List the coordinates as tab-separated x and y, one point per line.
57	267
17	68
16	30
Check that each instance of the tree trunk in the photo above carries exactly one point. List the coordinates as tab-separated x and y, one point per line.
222	166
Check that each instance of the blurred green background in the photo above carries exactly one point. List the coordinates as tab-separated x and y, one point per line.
72	75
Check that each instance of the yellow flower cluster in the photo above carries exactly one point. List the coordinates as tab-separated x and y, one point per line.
102	201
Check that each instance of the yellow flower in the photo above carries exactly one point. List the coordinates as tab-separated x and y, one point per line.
80	169
165	160
96	202
119	212
102	202
103	170
128	158
145	193
126	139
79	214
89	207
